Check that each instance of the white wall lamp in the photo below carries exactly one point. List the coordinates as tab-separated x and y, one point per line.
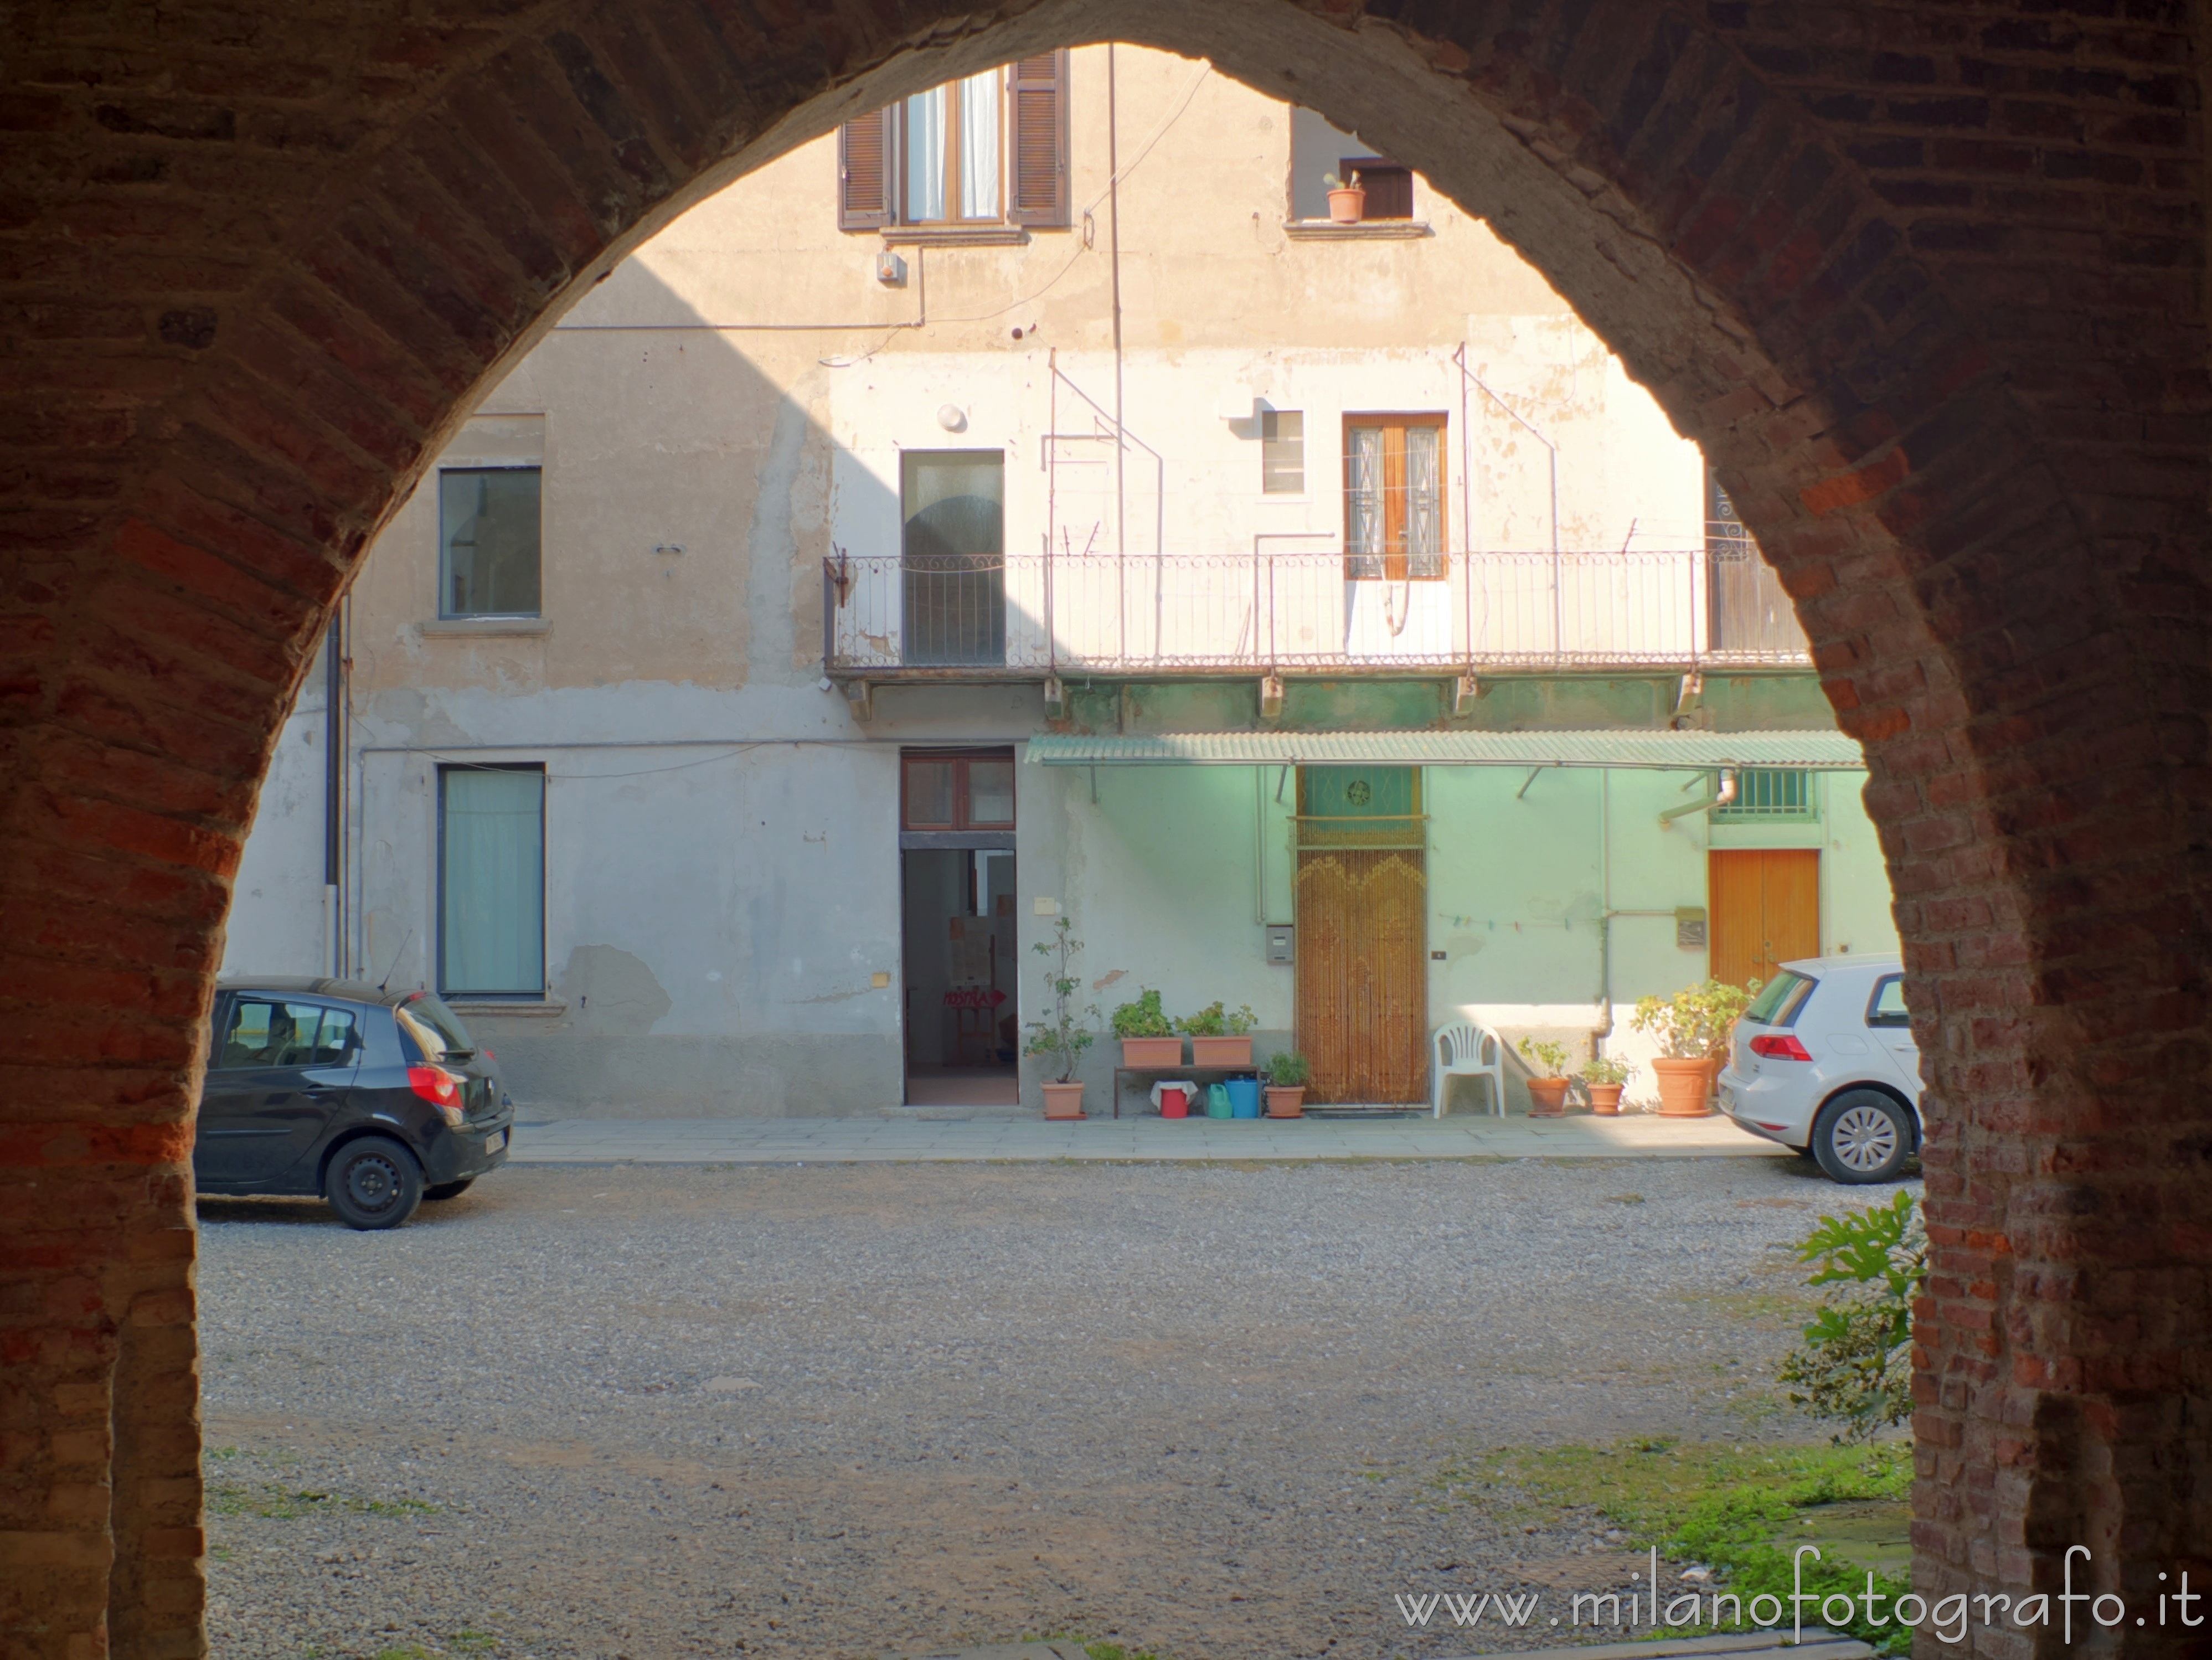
952	417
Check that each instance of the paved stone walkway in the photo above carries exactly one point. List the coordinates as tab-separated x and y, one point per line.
871	1140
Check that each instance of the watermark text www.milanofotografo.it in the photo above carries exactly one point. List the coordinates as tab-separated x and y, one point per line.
1644	1605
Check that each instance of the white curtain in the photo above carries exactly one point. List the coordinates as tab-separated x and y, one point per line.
979	146
1424	502
924	155
493	904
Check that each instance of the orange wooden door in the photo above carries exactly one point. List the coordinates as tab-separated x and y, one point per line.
1363	981
1765	911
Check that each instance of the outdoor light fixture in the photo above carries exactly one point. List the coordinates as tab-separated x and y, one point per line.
952	419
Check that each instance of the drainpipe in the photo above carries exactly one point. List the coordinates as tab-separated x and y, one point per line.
1722	796
334	746
1603	1030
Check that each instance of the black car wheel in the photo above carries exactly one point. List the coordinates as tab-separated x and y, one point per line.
1863	1136
449	1189
374	1184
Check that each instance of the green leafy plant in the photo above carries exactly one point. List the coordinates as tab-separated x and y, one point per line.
1143	1017
1606	1071
1694	1024
1335	183
1855	1364
1550	1056
1212	1022
1059	1037
1288	1070
1740	1509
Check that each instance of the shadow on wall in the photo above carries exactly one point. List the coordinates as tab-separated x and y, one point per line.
710	969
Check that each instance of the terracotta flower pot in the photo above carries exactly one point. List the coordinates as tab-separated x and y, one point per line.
1547	1098
1605	1098
1684	1087
1064	1101
1286	1102
1347	206
1221	1051
1151	1051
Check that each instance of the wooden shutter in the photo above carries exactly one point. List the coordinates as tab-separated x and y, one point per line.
865	171
1038	191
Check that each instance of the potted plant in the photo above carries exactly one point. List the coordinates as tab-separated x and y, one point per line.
1058	1039
1219	1039
1347	202
1287	1075
1547	1092
1603	1079
1692	1027
1148	1037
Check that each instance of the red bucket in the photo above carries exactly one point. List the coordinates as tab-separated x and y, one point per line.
1174	1104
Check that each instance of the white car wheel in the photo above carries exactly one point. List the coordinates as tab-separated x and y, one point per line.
1863	1136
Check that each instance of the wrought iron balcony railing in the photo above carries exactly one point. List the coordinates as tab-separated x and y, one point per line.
1718	606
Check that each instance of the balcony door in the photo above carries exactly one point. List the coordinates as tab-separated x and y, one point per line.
952	558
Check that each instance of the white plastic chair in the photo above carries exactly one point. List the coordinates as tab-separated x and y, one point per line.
1466	1050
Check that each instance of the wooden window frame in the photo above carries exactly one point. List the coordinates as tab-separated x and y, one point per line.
1401	420
963	819
1032	98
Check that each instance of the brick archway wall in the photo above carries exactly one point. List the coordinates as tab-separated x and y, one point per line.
1926	282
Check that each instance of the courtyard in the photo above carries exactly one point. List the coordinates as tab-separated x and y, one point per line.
1205	1409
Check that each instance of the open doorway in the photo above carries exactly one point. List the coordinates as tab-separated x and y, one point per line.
960	973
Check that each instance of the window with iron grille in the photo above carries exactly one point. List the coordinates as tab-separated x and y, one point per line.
1767	793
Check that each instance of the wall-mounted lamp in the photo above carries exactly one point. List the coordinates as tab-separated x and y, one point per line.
952	419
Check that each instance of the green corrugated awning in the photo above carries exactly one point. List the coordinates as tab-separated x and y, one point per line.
1813	752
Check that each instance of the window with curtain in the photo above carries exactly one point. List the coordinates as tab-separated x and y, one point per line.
1394	497
491	881
991	150
489	526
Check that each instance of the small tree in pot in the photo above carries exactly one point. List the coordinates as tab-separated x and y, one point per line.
1547	1090
1692	1027
1288	1073
1058	1039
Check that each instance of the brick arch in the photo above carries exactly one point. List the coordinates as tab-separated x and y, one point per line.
1926	282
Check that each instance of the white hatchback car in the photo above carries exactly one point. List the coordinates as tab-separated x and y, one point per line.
1824	1061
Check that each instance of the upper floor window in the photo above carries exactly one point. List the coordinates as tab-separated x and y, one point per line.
1282	452
489	539
1394	496
988	150
1323	157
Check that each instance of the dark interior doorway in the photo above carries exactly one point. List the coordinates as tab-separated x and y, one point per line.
959	971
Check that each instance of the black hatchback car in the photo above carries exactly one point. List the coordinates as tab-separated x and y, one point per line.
376	1100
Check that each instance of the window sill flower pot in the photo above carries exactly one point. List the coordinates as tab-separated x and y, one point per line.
1221	1051
1285	1102
1547	1098
1684	1087
1151	1051
1064	1101
1347	206
1605	1098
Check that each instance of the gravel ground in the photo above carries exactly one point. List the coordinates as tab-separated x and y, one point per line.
868	1410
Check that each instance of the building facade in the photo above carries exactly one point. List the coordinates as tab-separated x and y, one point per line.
1030	503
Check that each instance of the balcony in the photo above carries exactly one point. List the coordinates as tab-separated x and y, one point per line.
1273	609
